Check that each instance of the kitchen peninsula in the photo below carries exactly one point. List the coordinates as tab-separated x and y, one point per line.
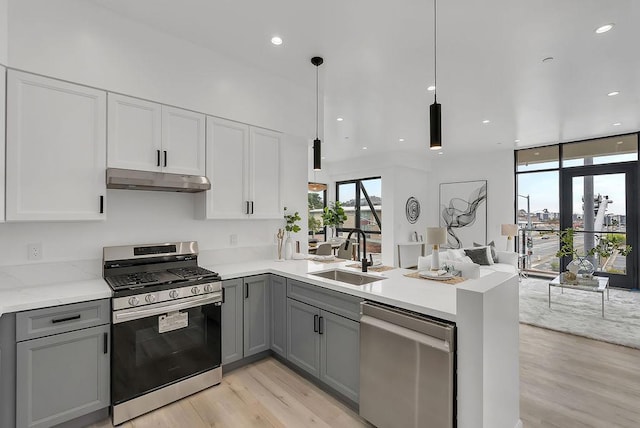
484	310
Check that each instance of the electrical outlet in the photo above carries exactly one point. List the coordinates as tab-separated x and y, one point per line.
35	251
233	239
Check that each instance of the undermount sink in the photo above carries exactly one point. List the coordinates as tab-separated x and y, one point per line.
348	277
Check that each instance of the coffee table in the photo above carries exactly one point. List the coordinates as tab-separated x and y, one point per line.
603	284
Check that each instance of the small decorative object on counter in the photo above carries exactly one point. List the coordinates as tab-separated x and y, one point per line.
280	237
290	227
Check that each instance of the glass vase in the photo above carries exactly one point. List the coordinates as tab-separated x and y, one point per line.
581	267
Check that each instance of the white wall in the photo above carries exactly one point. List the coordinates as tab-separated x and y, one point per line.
75	41
497	169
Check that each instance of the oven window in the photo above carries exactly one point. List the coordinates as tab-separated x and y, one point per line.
145	359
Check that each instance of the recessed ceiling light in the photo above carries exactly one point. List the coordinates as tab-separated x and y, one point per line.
346	138
537	153
516	141
499	144
604	28
276	40
339	119
613	94
440	153
617	124
547	59
323	158
620	142
364	148
401	140
486	121
431	88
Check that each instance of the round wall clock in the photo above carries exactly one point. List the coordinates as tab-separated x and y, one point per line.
412	209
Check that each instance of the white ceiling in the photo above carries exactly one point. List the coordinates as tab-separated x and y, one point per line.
379	62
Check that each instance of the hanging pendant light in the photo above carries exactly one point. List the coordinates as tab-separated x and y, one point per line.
317	153
435	112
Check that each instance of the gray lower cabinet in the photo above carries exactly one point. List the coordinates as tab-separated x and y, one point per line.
326	345
232	321
279	315
62	367
257	323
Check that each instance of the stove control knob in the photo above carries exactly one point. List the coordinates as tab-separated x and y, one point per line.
150	298
195	290
208	288
133	301
174	294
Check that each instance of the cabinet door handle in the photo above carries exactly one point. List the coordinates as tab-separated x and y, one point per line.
320	325
222	294
71	318
165	158
246	291
157	157
315	323
106	343
101	204
251	207
246	210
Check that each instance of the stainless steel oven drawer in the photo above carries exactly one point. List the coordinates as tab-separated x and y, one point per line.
61	319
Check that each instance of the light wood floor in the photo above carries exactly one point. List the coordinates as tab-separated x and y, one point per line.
565	381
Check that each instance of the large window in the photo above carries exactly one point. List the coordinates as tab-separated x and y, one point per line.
362	202
317	200
587	186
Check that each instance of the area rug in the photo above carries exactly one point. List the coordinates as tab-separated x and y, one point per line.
579	312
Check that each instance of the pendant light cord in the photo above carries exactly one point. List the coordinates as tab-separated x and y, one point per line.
317	99
435	51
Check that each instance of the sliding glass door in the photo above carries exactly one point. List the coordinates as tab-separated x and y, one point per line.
599	203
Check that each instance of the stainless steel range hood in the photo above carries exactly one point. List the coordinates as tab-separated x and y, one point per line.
161	181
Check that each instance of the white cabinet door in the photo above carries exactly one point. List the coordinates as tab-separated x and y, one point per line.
56	149
2	140
183	141
135	140
265	192
227	169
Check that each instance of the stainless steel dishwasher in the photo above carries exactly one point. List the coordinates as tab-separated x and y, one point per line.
407	369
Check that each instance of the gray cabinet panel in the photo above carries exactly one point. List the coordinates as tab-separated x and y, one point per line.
257	324
8	370
332	301
303	343
340	356
62	377
61	319
232	320
279	315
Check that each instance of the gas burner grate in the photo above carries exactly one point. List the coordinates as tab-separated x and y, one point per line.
133	279
192	272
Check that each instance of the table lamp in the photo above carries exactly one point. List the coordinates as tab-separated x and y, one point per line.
436	236
509	230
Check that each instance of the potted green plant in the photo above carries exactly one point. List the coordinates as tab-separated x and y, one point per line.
291	226
608	244
334	216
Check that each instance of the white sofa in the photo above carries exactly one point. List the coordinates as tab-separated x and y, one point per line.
507	262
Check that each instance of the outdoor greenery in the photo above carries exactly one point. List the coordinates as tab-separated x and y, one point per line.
314	201
334	215
607	245
314	224
291	221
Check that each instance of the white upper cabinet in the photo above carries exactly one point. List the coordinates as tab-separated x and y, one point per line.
135	140
183	141
243	164
264	166
151	137
2	140
56	150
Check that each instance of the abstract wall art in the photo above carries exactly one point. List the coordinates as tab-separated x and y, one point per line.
463	211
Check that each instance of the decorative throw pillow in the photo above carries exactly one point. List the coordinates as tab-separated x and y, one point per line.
491	245
455	253
480	255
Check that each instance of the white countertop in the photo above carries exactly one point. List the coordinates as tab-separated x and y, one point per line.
35	286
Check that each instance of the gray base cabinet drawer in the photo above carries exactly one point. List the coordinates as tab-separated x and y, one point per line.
62	377
61	319
232	320
340	354
332	301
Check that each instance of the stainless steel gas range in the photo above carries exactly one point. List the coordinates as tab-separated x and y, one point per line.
166	340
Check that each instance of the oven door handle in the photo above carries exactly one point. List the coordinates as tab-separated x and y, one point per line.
160	309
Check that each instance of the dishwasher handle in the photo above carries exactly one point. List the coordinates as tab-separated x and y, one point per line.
431	342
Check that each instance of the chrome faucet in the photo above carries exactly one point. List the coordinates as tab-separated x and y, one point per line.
365	262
